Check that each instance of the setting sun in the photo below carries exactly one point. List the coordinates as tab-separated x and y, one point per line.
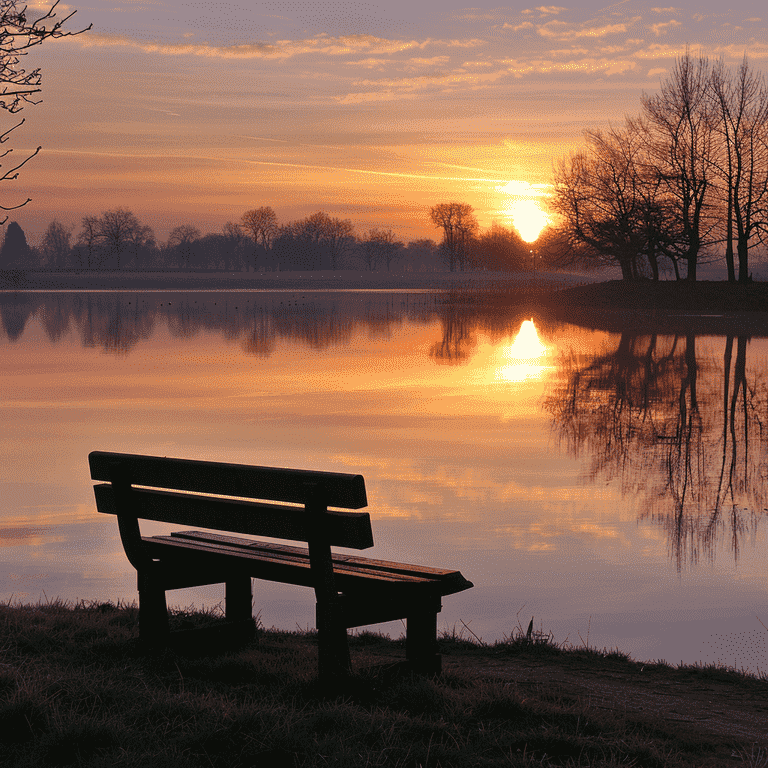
529	219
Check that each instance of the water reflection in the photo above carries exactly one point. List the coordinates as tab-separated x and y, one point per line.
526	357
680	423
677	422
117	322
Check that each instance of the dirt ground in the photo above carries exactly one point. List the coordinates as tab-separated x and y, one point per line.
685	701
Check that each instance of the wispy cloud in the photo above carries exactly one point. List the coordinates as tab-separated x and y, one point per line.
663	27
518	27
561	30
545	10
371	96
587	65
282	49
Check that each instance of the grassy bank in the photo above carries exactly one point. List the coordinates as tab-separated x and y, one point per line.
76	688
668	296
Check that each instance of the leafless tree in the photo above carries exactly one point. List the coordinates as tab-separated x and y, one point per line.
261	225
336	235
379	245
56	244
740	123
87	240
459	225
680	140
318	241
601	200
181	239
114	234
18	34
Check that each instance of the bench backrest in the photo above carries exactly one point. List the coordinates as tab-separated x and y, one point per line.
193	493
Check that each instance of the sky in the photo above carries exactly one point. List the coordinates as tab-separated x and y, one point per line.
192	112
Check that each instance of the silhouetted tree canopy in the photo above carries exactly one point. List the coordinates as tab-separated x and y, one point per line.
688	175
15	253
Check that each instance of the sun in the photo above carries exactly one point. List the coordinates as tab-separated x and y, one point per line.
529	219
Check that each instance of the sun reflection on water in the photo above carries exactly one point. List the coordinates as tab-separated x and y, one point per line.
526	357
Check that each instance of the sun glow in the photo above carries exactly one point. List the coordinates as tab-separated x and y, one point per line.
526	357
529	219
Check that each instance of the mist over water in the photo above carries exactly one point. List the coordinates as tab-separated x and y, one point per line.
610	483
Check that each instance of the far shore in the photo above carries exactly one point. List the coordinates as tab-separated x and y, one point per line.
352	280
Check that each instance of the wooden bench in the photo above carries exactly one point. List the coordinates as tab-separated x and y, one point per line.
350	590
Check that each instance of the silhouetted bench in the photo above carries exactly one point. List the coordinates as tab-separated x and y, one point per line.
351	591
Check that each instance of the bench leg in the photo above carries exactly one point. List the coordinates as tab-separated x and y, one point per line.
153	611
332	644
238	605
421	642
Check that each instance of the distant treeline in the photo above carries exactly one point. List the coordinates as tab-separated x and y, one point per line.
117	240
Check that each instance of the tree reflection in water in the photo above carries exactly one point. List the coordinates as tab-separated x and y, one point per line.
681	432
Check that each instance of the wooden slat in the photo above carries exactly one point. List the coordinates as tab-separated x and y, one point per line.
345	529
275	483
451	580
279	567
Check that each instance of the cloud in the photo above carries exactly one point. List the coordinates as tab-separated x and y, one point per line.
560	30
666	10
569	52
282	49
518	27
363	98
590	65
370	63
434	78
664	27
433	62
545	10
657	71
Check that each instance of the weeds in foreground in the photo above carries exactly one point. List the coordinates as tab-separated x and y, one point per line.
77	689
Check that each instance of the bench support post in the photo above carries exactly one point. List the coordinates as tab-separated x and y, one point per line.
153	610
238	599
333	658
421	642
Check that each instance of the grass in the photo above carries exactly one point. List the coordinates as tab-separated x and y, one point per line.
77	689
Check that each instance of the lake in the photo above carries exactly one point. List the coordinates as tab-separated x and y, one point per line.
610	483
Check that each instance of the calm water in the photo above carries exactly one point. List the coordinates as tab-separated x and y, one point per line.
610	485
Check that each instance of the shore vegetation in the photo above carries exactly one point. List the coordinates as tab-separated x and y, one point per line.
77	689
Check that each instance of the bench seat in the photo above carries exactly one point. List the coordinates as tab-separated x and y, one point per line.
290	565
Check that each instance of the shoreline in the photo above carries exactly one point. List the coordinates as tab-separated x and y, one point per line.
349	280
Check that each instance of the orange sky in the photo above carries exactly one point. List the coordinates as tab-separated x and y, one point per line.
188	112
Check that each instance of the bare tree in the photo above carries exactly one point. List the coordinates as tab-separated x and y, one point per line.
17	85
459	225
316	242
260	224
181	239
112	235
379	245
336	235
740	117
56	245
599	197
680	139
233	242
